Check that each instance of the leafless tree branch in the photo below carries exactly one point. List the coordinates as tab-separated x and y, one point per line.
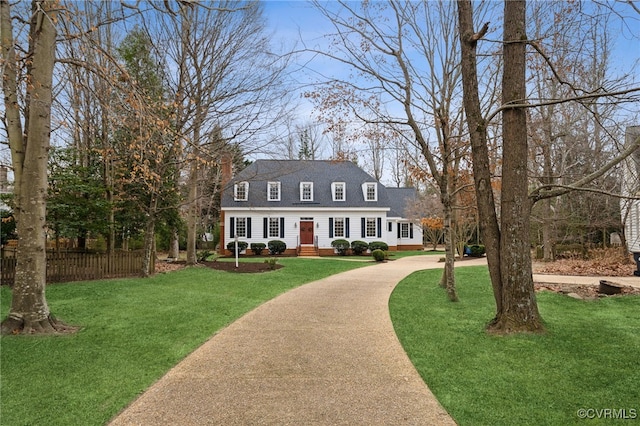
544	191
526	104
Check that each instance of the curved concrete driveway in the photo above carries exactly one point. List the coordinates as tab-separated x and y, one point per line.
321	354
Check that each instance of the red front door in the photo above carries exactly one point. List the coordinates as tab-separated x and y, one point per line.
306	232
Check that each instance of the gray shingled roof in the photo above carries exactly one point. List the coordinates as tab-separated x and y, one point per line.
400	199
322	173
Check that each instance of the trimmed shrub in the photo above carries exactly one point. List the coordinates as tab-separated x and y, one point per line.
242	245
341	246
257	248
359	247
476	250
276	246
271	263
204	254
379	255
378	245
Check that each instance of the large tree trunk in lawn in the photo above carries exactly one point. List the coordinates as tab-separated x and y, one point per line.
29	312
519	308
488	220
192	213
174	245
148	259
448	278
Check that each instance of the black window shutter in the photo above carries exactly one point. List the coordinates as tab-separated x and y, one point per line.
363	225
330	227
282	227
399	227
232	227
411	230
265	227
379	227
248	227
346	227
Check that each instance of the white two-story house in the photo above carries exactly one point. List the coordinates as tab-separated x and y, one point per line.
631	188
308	204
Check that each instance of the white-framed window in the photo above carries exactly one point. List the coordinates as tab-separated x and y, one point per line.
404	230
273	191
338	227
339	191
370	191
306	191
241	227
274	227
241	191
371	229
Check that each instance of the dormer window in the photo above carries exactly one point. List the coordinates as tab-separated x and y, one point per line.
370	191
338	189
306	191
273	191
241	191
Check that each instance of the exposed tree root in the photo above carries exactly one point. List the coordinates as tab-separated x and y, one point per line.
48	326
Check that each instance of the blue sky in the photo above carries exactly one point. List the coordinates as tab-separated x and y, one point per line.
295	19
292	21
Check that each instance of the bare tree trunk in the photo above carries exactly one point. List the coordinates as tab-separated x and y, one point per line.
547	232
174	245
520	310
477	125
13	119
109	184
445	185
148	260
192	213
548	237
448	274
29	311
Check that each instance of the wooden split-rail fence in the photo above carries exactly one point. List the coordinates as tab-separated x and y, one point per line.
79	266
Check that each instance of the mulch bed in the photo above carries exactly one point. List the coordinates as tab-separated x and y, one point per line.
587	292
243	267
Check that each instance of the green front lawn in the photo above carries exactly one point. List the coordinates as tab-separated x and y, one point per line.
133	331
588	360
407	253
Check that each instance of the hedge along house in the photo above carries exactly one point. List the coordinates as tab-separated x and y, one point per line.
308	204
631	188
